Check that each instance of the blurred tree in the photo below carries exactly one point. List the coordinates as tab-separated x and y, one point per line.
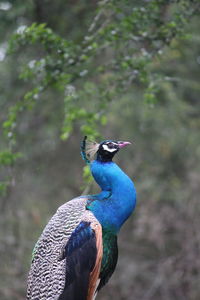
128	35
92	64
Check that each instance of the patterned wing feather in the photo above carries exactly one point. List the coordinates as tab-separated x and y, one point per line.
80	254
47	276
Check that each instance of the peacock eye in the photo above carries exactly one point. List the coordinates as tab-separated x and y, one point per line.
110	145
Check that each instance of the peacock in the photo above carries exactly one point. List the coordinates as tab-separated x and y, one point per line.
77	252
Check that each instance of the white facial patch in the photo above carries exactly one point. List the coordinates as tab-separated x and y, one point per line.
105	147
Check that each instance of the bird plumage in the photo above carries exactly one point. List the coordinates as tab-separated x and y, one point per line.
77	252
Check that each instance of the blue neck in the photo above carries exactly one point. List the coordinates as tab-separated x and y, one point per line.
117	199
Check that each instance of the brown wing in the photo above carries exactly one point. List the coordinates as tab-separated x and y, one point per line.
94	275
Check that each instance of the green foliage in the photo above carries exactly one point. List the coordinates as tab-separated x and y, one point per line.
88	179
129	35
7	158
3	188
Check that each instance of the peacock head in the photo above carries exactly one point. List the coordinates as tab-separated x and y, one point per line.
103	151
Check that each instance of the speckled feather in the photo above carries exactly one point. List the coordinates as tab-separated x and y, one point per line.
46	278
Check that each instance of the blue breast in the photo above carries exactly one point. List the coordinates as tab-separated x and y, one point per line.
117	199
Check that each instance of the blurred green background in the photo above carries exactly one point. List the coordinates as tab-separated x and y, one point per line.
125	70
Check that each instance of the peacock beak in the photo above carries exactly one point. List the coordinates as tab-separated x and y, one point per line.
123	144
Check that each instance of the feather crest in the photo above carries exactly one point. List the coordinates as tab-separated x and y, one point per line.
89	149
